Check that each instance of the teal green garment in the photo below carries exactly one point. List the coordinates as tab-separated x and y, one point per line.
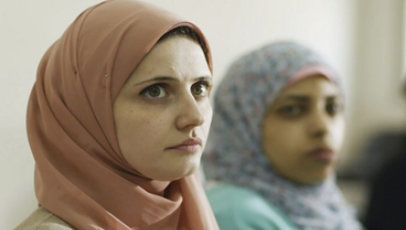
238	208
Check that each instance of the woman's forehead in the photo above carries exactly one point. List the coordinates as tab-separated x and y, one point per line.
311	86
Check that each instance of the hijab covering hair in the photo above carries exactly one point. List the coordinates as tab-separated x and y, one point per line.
235	154
80	174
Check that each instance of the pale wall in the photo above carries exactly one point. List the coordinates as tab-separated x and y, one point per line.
377	103
232	26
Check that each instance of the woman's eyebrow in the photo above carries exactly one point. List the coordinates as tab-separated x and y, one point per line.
203	78
301	98
332	97
305	98
167	78
154	79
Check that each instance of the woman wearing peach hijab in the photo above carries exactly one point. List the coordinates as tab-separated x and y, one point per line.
117	122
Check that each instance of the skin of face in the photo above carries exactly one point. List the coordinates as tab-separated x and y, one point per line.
163	112
303	130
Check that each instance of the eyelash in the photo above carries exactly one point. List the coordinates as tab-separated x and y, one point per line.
148	89
207	86
332	108
286	110
166	89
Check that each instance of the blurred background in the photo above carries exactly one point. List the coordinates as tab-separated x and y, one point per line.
363	39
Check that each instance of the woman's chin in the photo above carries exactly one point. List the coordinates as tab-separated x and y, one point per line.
176	174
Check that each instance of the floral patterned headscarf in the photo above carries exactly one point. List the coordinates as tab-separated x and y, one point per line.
235	154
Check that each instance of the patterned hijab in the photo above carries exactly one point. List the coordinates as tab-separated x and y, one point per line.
80	173
235	154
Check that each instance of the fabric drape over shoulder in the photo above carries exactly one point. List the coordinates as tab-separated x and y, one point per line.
80	174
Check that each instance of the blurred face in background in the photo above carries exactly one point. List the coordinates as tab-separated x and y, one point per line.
303	130
163	112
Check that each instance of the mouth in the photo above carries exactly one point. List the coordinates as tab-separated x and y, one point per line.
325	155
190	145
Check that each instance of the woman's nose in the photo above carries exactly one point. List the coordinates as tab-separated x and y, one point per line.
319	123
190	114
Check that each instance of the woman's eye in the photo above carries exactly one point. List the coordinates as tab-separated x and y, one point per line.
290	110
200	89
333	108
154	91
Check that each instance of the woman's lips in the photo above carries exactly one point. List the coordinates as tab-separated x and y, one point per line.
322	154
188	146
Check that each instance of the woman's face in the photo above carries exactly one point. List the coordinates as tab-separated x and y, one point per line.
163	112
303	130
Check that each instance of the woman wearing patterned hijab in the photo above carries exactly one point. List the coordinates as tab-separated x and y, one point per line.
277	130
117	122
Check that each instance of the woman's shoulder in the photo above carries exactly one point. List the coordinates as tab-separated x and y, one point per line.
242	208
42	219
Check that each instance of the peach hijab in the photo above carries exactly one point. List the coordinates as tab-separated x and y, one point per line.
80	174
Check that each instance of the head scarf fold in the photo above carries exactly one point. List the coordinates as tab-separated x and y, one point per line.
235	154
80	174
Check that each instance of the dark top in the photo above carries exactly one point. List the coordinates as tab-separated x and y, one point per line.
387	204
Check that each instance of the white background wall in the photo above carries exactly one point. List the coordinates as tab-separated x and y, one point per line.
342	30
377	102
